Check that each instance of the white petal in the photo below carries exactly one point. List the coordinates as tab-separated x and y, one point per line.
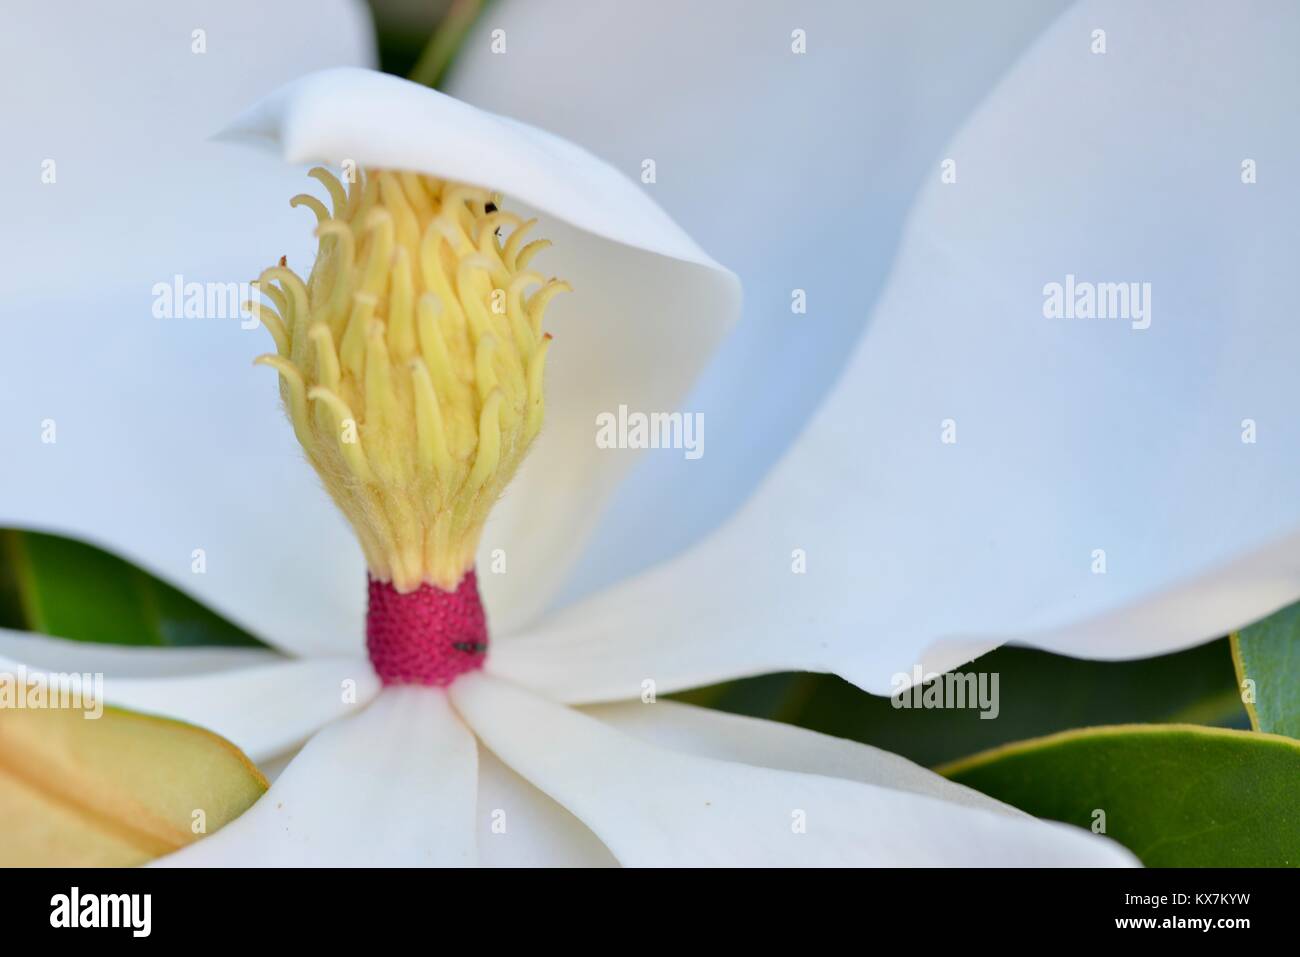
652	806
770	744
519	826
227	482
649	305
796	170
272	768
167	440
125	661
393	786
123	113
376	119
1074	437
264	710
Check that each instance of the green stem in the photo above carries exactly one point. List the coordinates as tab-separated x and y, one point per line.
445	42
13	554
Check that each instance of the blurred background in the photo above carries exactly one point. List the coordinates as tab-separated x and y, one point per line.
403	29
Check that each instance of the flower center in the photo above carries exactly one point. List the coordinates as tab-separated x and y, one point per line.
428	636
411	367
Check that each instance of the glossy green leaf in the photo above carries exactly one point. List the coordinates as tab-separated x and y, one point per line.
69	589
1038	693
1267	657
1175	795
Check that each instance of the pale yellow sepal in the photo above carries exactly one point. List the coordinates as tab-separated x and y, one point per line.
116	790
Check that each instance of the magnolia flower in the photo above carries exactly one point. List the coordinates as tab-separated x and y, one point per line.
412	365
903	567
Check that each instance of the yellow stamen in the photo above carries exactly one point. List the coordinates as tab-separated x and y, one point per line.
411	362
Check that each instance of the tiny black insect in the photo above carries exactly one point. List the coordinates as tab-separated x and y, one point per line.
470	646
490	207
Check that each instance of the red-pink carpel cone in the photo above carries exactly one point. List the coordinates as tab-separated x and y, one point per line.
428	636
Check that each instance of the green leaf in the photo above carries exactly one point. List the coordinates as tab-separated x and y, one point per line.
1267	654
68	589
1175	795
1039	693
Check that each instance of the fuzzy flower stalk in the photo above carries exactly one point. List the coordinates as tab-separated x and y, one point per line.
411	366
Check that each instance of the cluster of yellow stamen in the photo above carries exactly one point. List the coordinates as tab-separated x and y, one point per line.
411	362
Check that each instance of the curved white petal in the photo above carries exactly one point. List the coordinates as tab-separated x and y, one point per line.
393	786
165	439
273	767
519	826
264	710
649	305
796	170
125	661
1081	444
770	744
376	119
108	176
189	457
653	806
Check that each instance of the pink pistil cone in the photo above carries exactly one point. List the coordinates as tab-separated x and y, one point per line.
428	636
